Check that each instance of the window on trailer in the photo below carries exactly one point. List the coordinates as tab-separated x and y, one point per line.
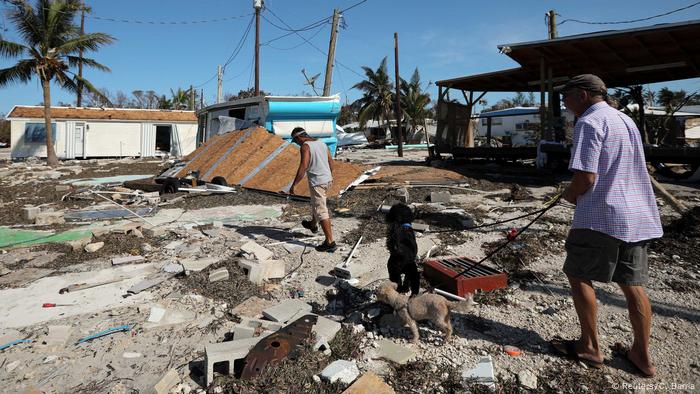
36	132
163	138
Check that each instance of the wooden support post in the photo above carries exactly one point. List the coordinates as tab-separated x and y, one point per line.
488	131
550	112
398	93
542	103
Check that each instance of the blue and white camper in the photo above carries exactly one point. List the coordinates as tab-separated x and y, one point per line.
278	114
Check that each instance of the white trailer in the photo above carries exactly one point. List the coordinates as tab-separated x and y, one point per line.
102	132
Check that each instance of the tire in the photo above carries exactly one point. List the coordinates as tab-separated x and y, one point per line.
219	180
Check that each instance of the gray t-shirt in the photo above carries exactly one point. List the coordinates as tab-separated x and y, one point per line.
319	172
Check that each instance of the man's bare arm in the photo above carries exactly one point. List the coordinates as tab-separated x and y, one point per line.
303	166
330	161
580	183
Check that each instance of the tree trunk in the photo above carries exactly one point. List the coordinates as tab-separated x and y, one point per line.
51	158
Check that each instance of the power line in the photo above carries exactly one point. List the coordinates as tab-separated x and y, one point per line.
234	53
305	28
629	21
152	22
314	46
320	29
240	44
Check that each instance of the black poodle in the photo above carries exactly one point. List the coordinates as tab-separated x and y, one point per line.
401	242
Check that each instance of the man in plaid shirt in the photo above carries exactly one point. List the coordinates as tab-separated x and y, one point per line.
616	215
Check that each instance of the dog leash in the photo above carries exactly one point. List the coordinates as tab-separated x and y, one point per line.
508	241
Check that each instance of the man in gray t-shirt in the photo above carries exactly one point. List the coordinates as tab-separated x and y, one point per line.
316	163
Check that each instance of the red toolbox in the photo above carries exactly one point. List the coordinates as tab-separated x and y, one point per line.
441	272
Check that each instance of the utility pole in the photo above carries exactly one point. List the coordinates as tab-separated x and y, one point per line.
79	99
331	54
218	85
191	98
555	122
258	5
201	98
552	24
398	93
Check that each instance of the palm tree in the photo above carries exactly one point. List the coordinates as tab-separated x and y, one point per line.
179	99
414	101
377	99
51	42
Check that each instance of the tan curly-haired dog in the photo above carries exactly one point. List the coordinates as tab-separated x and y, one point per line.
431	307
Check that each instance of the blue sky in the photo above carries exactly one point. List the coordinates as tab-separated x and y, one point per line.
443	39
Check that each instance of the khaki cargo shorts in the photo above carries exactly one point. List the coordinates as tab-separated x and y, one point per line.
593	255
319	210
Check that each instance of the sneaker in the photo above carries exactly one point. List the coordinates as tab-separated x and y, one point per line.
324	247
309	225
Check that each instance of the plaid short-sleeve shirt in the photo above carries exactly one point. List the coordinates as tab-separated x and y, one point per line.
621	202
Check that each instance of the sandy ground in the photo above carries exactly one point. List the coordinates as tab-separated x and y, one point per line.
534	308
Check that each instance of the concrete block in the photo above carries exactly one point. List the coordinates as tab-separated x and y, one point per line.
253	269
341	370
243	332
168	381
217	224
252	307
482	373
79	244
401	194
99	231
388	350
285	310
125	228
197	265
217	275
260	325
443	197
422	227
260	252
29	213
325	330
153	231
369	383
94	247
127	260
226	352
49	218
527	379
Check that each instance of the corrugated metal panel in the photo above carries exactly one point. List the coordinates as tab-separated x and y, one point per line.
257	159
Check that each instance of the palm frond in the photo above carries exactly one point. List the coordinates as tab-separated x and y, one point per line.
86	42
73	84
27	23
21	72
73	61
11	49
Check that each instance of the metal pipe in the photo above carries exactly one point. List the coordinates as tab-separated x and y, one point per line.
449	295
352	252
120	205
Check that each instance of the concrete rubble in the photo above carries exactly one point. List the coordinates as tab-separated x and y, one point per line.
208	276
341	370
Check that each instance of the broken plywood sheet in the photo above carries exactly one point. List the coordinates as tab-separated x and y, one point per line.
260	160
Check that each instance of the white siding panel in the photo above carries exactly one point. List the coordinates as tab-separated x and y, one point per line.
148	140
21	149
112	139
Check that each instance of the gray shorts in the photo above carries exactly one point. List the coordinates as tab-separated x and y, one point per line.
593	255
